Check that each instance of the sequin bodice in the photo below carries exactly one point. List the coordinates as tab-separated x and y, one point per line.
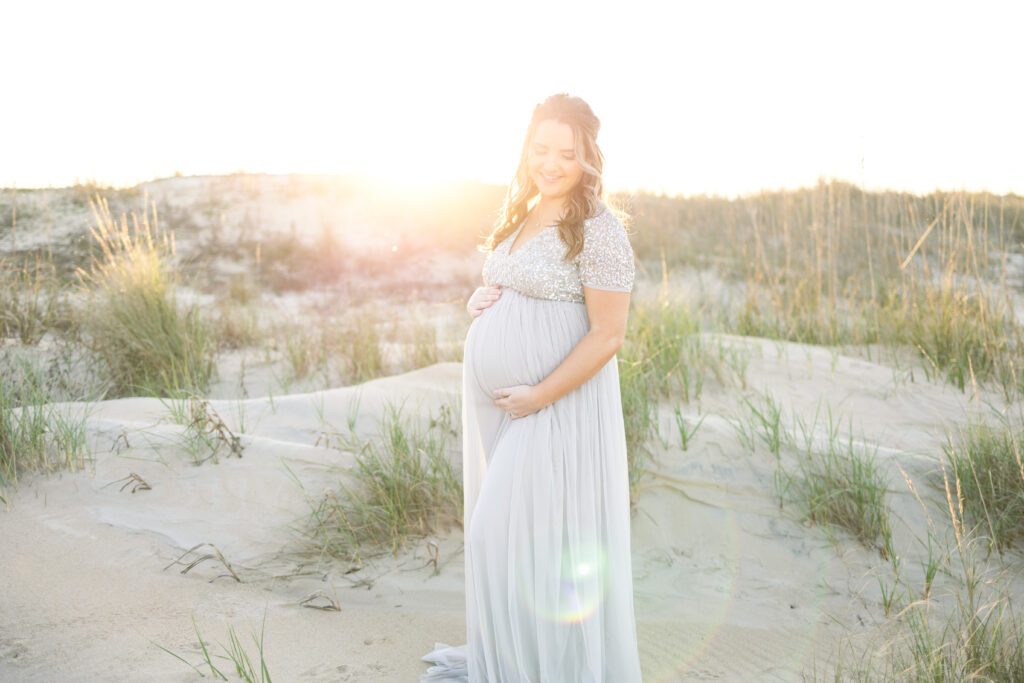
537	268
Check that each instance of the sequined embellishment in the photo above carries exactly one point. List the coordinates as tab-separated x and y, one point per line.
537	269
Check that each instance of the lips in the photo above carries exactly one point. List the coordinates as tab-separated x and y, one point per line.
549	179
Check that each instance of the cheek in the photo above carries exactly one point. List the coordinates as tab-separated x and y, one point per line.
575	173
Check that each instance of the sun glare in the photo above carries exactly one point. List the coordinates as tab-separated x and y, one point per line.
724	99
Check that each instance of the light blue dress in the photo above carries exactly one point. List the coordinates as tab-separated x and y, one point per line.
549	592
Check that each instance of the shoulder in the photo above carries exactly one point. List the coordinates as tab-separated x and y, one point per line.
606	260
602	221
604	230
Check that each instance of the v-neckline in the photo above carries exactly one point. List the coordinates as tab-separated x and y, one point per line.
515	235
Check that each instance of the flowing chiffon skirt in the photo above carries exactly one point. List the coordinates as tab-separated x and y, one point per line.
549	592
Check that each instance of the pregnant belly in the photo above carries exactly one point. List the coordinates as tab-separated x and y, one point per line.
520	340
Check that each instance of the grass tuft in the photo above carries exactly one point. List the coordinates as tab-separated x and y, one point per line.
986	462
134	323
35	434
664	356
29	299
403	485
838	484
251	668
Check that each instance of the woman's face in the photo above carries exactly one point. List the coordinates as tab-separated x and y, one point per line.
551	162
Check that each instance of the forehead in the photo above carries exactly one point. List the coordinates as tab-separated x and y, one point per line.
553	133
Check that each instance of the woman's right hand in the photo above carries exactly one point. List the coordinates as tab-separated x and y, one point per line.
481	299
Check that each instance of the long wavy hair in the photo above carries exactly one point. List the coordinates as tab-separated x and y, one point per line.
587	198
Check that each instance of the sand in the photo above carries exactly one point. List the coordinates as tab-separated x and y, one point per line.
727	585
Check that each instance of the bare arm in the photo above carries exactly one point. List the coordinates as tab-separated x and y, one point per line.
607	311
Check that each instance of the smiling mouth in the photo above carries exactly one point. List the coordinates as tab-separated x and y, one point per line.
549	178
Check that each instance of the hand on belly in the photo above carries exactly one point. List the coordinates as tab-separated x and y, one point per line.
519	401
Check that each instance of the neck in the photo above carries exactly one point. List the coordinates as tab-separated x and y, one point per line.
550	207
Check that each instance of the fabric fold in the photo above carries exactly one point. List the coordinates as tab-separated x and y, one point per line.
449	664
549	591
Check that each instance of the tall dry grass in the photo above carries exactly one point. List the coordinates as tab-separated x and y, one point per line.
151	342
988	466
30	303
833	264
972	632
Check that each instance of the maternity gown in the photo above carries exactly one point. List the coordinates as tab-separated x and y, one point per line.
549	591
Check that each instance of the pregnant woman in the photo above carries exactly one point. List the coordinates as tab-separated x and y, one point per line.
549	593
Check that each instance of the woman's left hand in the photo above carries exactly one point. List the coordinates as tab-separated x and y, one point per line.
518	401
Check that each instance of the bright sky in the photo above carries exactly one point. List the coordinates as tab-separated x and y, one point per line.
694	97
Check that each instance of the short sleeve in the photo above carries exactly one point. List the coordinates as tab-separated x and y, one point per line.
606	261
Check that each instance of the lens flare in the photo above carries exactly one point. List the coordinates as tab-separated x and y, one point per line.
690	653
578	589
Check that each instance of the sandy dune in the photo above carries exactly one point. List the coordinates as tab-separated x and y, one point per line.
727	585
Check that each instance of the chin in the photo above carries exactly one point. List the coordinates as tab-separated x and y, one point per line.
554	195
550	189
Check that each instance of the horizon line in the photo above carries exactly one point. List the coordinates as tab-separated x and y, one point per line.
382	182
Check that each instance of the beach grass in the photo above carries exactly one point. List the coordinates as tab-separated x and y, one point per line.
639	410
358	344
237	326
979	636
764	420
36	434
985	461
833	264
982	638
150	342
341	350
687	428
403	485
665	357
30	302
250	667
837	483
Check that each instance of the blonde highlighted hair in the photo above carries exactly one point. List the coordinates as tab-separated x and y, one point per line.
587	198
